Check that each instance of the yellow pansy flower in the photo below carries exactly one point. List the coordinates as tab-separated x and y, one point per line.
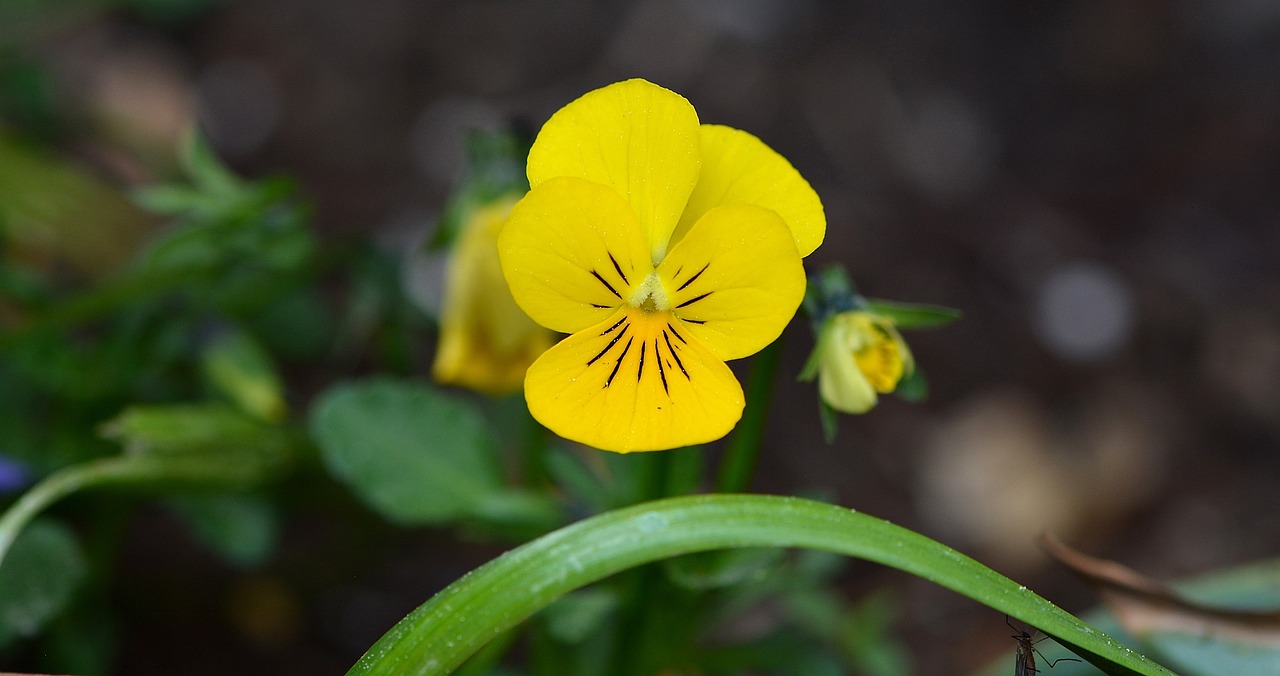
486	341
665	247
859	355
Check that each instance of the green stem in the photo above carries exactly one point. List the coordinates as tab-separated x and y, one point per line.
739	461
54	487
444	631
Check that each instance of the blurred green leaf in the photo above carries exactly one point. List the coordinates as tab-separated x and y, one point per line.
409	451
715	570
516	515
43	203
238	367
908	316
573	617
203	443
242	528
495	168
37	579
1253	586
571	474
208	172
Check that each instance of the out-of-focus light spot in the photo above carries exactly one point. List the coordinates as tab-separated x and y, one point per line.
238	106
1084	312
440	136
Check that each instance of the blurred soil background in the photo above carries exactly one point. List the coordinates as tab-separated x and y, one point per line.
1095	184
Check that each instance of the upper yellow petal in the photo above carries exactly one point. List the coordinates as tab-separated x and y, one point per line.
635	137
634	383
486	341
735	280
572	251
738	168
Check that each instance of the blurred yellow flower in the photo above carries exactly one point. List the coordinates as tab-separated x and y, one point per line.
860	354
486	341
665	247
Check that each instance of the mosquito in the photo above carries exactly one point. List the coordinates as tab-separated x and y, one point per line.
1024	659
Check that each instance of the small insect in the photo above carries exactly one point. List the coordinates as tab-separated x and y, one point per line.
1024	658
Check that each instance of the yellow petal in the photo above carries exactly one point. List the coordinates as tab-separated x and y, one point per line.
635	137
738	168
572	251
841	383
486	341
633	383
735	279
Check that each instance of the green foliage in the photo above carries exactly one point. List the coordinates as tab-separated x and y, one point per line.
206	444
38	579
1209	651
495	167
409	451
239	368
907	316
444	631
243	528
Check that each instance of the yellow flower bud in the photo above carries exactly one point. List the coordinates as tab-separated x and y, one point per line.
860	354
486	341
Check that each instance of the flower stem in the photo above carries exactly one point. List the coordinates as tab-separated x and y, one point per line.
54	487
739	461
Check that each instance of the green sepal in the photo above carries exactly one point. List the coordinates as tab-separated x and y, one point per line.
907	316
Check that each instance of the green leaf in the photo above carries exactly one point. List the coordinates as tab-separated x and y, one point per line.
573	617
171	448
242	528
205	169
205	443
240	368
42	571
409	451
444	631
713	570
495	169
1252	587
907	316
517	515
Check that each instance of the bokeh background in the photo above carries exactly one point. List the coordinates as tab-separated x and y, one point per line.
1095	184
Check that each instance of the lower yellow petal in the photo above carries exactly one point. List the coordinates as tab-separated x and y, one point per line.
738	168
735	279
634	382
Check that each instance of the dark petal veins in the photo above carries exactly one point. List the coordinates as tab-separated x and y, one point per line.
689	281
606	284
618	365
617	267
693	300
613	342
